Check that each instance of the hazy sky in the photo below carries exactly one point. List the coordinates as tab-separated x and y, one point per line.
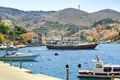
48	5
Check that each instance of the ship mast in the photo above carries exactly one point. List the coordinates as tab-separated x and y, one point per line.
79	26
63	32
62	36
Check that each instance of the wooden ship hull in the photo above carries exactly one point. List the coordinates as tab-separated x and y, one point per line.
82	46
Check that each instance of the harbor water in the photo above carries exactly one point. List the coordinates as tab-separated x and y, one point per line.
55	65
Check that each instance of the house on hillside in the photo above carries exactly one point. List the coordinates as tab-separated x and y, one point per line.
32	38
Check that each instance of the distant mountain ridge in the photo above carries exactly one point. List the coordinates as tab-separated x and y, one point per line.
106	13
31	19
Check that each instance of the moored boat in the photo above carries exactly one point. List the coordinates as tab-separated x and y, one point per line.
16	56
2	46
63	44
8	47
71	45
100	70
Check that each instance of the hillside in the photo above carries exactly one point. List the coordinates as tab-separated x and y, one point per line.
69	16
31	19
106	13
78	17
27	19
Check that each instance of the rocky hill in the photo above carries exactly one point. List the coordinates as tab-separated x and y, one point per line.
69	16
31	19
27	19
78	17
106	13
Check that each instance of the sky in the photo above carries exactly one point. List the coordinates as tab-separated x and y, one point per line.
56	5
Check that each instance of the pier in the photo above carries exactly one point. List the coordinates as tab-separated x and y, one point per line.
8	72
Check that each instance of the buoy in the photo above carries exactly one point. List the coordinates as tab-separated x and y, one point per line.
112	77
29	51
56	54
30	64
49	59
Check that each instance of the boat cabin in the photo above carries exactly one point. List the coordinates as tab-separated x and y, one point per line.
101	69
67	42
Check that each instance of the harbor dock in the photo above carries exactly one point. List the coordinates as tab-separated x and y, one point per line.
8	72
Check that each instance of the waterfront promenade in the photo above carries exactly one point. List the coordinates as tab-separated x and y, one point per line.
8	72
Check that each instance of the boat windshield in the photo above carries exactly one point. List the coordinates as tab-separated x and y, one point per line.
116	69
10	53
107	69
98	66
13	53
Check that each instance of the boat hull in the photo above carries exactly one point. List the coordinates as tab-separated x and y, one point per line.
18	58
84	46
90	74
96	76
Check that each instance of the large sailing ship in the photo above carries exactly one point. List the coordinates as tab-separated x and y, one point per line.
62	44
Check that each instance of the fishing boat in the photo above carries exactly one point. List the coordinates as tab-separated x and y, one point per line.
100	70
16	56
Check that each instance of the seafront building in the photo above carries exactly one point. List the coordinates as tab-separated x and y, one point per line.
32	38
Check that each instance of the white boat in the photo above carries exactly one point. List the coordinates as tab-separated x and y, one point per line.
8	47
2	46
116	79
16	56
100	70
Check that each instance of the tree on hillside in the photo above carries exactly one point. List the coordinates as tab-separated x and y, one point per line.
4	29
103	21
0	20
19	30
2	39
16	32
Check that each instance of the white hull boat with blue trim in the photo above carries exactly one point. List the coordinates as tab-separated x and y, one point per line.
16	56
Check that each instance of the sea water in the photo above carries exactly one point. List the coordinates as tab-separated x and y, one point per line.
50	64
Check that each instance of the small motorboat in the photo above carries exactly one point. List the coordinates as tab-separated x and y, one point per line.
2	46
100	70
16	56
8	47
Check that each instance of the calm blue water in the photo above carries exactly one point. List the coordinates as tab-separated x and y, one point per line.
49	64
